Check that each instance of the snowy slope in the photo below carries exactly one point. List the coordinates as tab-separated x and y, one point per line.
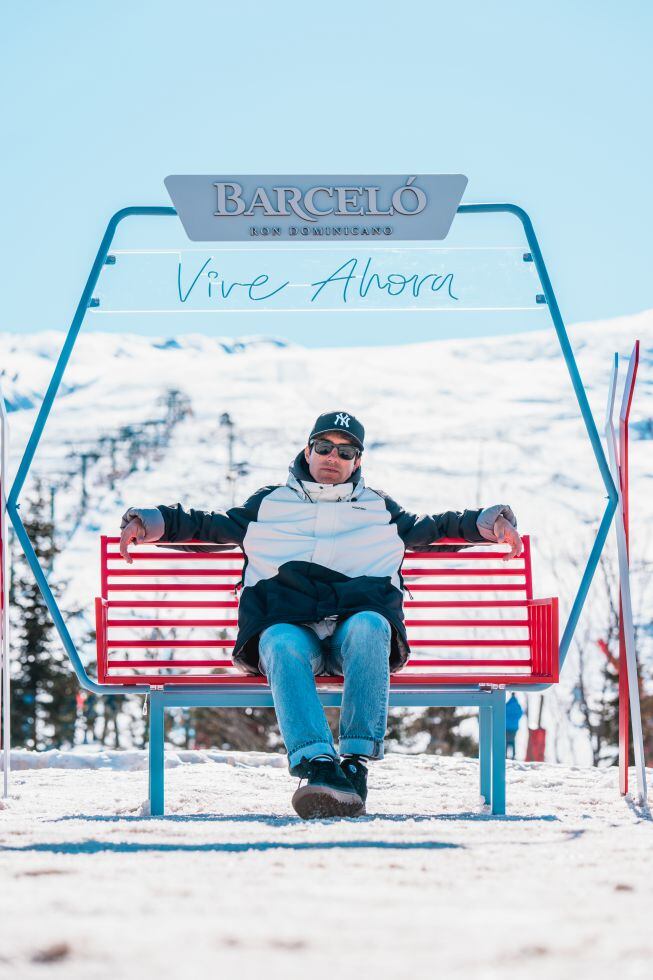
232	883
450	424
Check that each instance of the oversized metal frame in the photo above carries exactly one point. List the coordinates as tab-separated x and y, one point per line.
5	649
158	699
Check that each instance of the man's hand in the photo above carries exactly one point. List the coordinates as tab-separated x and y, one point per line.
133	531
498	523
507	534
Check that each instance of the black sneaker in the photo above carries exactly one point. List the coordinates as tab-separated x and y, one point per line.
327	793
356	772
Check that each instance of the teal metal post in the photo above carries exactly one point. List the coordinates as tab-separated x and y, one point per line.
485	752
499	752
157	755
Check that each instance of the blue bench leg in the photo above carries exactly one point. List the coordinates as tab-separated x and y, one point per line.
499	752
157	758
485	751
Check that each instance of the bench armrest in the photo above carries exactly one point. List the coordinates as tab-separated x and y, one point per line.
545	648
101	607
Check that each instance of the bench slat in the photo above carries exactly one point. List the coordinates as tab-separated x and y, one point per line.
411	665
464	603
486	572
133	572
173	604
396	680
191	623
172	587
163	555
124	623
210	644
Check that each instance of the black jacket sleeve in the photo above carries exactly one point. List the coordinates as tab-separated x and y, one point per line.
421	531
221	527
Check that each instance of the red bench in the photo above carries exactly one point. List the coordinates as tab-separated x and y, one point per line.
169	621
170	618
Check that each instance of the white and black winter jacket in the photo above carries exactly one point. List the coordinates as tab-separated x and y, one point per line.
313	551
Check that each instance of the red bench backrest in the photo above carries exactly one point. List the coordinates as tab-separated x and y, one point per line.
171	617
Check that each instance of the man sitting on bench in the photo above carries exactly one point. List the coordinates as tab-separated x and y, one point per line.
322	594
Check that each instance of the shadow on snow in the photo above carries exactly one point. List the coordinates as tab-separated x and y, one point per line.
275	820
98	847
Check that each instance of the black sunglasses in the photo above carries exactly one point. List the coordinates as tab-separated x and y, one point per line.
323	447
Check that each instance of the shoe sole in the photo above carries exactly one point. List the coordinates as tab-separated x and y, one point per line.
313	802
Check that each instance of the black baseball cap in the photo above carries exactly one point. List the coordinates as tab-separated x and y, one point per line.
339	422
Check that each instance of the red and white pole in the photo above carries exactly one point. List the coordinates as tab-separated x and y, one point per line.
628	666
624	699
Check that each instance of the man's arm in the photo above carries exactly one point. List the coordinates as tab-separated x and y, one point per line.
420	530
497	523
143	524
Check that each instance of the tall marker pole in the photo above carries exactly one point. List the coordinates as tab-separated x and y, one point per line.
625	596
624	700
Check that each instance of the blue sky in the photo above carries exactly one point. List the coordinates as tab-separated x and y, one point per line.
544	105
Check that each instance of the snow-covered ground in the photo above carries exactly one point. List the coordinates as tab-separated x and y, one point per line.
232	883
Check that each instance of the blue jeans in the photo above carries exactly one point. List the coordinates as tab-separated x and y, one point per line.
359	649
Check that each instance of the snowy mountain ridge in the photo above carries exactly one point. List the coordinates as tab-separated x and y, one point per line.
450	424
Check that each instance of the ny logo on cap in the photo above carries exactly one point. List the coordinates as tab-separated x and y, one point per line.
342	419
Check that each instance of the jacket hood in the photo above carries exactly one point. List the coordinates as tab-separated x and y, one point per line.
300	471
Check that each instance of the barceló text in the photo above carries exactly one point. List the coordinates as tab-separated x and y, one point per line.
318	202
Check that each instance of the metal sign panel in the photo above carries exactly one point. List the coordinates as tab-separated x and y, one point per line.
316	208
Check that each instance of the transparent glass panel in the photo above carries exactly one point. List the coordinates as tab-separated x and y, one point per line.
319	279
159	283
